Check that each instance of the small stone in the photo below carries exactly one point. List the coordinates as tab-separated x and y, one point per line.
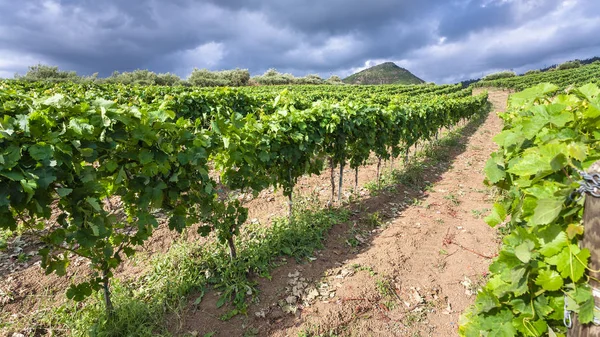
294	274
312	294
291	299
289	309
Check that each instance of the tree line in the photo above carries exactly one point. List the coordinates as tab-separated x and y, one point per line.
198	77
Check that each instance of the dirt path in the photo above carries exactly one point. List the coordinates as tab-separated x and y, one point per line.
422	251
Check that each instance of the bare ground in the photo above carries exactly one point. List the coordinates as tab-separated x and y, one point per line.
408	277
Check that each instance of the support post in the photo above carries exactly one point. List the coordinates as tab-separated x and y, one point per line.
591	241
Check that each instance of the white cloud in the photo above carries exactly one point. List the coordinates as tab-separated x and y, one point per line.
207	55
11	63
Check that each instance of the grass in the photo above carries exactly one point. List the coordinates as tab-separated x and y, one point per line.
141	305
385	288
7	235
478	214
453	199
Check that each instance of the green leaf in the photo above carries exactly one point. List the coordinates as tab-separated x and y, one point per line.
63	192
549	280
146	156
94	203
221	301
29	186
577	151
546	211
528	165
556	245
86	152
568	264
41	152
497	215
13	175
494	172
79	292
486	301
523	251
586	311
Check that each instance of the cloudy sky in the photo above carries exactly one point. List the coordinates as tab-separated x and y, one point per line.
438	40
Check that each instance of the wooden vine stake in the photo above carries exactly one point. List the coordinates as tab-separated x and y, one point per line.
378	171
591	241
332	173
356	180
341	182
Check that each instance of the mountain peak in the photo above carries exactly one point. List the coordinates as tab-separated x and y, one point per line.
384	73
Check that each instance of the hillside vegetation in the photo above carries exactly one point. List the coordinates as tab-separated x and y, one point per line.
385	73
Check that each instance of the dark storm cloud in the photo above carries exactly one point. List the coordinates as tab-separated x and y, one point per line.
439	40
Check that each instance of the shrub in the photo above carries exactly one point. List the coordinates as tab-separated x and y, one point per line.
502	74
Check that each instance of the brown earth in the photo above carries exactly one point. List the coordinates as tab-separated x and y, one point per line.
410	275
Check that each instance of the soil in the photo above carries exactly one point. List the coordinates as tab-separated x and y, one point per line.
411	274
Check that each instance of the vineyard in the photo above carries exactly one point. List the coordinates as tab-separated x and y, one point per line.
91	173
72	152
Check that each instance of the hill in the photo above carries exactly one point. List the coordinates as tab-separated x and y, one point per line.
385	73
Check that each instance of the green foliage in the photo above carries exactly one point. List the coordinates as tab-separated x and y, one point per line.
207	78
569	65
67	150
144	77
65	157
545	141
498	75
533	71
570	74
41	72
334	79
273	77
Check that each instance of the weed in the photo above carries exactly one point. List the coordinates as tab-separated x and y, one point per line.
22	257
386	290
140	305
453	199
478	214
251	332
373	220
369	269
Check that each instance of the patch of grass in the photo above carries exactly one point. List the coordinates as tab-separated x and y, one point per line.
373	220
7	235
478	214
386	290
369	269
309	333
141	304
453	199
